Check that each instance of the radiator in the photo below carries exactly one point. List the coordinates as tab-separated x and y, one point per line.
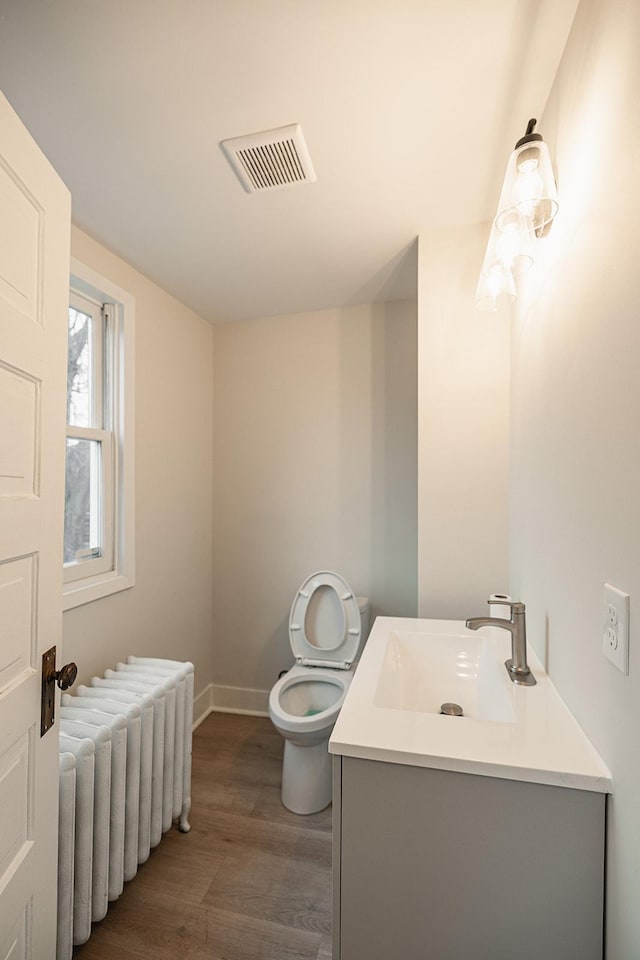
125	776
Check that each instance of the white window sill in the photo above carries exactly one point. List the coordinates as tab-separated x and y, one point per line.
77	592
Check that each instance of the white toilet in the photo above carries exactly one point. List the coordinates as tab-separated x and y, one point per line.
328	625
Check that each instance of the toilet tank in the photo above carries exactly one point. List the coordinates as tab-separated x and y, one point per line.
365	619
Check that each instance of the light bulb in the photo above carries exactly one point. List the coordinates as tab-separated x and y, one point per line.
507	246
527	191
495	279
495	287
512	242
528	159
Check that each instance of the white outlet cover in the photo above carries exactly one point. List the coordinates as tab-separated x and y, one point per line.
615	627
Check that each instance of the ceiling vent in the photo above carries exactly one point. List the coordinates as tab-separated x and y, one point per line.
271	159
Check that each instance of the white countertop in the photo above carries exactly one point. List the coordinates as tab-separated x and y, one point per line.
541	742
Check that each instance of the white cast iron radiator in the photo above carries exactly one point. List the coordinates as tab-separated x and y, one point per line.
125	776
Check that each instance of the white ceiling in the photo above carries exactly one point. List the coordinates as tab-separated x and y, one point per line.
409	109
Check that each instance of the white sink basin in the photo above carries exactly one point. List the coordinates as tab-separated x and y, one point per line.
421	672
410	667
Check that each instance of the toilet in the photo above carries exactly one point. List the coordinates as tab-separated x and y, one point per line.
328	625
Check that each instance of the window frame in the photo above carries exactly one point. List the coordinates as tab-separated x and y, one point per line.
97	431
115	571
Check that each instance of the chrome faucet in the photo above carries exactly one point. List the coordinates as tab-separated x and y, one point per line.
517	666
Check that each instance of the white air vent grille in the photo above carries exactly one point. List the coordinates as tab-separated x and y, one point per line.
271	159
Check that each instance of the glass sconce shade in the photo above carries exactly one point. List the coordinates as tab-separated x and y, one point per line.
512	243
528	204
496	287
529	187
509	254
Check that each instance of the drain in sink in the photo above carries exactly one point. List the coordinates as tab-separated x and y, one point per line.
451	709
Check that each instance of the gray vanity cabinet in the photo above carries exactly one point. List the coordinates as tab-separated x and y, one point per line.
437	865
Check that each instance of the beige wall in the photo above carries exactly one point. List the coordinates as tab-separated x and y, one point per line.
463	430
576	410
315	468
168	611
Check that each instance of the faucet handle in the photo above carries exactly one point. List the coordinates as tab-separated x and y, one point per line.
514	605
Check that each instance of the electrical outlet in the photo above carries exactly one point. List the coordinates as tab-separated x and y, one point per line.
615	627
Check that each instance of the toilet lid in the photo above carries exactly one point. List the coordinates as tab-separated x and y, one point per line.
324	623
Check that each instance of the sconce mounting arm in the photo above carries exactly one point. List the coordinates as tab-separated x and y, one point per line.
529	136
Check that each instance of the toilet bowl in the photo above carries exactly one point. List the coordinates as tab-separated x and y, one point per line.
328	625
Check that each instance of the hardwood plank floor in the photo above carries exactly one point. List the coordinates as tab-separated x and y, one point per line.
251	881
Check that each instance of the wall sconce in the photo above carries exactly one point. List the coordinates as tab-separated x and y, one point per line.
528	203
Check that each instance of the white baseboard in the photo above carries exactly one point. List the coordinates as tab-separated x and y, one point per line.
202	705
240	700
220	699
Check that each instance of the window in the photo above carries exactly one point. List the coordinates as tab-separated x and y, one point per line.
89	487
98	522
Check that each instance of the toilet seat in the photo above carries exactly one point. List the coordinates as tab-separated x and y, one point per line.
340	654
299	721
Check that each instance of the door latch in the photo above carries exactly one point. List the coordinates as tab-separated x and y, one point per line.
64	678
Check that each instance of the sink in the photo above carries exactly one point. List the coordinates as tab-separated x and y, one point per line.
411	666
420	672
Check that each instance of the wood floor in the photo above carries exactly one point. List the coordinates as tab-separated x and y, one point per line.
251	881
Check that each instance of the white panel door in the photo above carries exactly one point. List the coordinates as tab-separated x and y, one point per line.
34	282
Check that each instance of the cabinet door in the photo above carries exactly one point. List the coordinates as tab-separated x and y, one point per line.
445	866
